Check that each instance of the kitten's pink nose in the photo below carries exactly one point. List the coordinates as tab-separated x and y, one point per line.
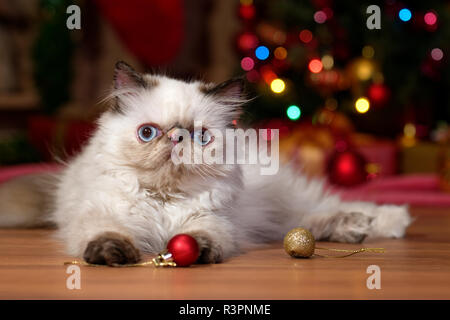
175	135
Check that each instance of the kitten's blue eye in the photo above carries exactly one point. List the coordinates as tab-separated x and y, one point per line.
202	137
147	133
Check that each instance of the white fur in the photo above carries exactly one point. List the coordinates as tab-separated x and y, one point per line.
100	190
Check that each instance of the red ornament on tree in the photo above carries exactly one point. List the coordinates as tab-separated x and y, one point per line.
247	12
378	94
183	249
247	41
347	168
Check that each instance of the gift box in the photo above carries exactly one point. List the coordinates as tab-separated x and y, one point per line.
422	157
380	154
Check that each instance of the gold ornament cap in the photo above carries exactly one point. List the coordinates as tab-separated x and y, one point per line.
299	243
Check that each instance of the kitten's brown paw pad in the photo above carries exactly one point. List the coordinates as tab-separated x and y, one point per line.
111	248
210	252
351	227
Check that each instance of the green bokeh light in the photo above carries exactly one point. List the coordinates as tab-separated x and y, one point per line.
293	112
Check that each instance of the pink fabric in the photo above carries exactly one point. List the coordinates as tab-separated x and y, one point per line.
418	190
10	172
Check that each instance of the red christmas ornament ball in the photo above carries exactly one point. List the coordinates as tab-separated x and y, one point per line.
247	41
347	168
247	11
184	250
378	94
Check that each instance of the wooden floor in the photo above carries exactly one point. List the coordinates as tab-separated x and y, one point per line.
417	267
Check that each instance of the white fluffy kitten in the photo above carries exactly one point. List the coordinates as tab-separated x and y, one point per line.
122	195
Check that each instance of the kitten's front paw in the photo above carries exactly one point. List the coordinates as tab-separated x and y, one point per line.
210	251
111	248
351	227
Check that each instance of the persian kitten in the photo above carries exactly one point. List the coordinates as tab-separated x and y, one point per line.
123	194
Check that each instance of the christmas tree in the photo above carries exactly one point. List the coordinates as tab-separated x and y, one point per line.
307	60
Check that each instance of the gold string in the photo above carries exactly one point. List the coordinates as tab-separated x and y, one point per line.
141	264
349	252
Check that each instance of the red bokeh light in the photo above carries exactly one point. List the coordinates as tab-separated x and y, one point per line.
305	36
430	18
247	12
315	66
247	41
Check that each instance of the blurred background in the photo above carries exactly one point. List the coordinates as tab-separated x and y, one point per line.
352	104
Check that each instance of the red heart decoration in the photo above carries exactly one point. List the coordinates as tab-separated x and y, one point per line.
152	30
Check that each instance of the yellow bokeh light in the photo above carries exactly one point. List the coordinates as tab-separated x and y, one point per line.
364	70
362	105
277	85
409	130
368	52
327	62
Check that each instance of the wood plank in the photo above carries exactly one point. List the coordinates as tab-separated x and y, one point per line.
417	267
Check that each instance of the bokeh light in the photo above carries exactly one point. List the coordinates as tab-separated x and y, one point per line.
362	105
293	112
277	85
280	53
262	52
405	14
267	74
247	41
409	130
305	36
247	11
247	63
430	18
368	52
328	12
437	54
315	66
253	76
320	17
364	70
327	62
378	93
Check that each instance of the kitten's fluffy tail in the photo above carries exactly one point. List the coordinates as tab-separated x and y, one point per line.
25	202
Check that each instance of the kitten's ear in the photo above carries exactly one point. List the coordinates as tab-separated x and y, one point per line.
230	97
232	89
126	77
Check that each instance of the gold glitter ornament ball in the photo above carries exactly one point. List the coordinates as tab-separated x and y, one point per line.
299	243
